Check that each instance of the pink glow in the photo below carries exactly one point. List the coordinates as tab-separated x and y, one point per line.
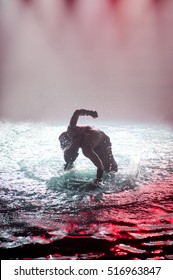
113	56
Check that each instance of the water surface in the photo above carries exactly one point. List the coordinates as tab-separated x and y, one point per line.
51	214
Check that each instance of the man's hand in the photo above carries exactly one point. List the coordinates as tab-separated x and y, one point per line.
68	166
94	114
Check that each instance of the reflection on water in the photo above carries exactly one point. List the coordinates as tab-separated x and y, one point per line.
46	213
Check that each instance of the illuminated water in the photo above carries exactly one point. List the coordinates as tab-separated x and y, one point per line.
46	213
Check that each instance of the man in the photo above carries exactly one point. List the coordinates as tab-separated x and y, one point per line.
95	145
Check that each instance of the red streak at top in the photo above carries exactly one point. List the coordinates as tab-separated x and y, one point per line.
114	2
70	4
26	2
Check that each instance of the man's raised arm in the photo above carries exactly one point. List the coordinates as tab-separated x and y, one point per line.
81	112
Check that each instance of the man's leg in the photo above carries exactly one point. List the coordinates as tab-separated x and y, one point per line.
104	151
89	153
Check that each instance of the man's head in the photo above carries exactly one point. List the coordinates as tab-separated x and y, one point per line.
65	140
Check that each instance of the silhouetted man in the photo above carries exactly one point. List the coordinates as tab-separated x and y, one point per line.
95	145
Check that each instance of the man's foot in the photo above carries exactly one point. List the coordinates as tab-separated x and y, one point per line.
97	182
99	175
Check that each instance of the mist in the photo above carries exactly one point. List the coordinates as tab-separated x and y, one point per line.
113	56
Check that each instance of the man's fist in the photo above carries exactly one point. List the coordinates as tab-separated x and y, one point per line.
94	114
